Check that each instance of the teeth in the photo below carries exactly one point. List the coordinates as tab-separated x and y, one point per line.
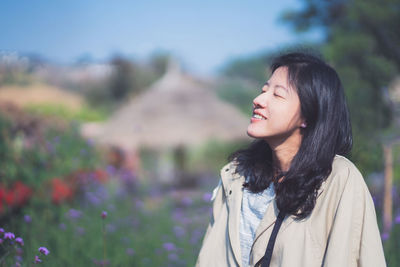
258	117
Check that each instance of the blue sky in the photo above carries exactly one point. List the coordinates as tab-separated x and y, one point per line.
204	34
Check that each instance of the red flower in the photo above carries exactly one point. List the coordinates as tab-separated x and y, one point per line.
61	191
9	197
17	196
101	175
22	193
2	196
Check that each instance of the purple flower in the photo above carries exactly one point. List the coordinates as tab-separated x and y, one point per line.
1	231
385	236
19	251
44	250
37	260
110	169
74	214
207	197
62	226
101	262
139	204
90	142
104	214
18	258
9	235
397	219
179	231
187	201
196	236
169	246
374	198
111	228
20	241
173	257
130	251
27	219
92	198
80	231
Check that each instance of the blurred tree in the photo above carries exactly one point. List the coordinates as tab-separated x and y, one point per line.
362	42
238	92
362	38
123	80
378	19
254	69
159	62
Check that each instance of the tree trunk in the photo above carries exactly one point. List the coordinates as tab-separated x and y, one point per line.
387	201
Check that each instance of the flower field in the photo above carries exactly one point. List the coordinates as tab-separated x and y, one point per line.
110	226
58	193
62	204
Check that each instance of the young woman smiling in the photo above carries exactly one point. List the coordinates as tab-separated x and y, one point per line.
291	199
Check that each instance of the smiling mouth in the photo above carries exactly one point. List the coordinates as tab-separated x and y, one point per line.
258	116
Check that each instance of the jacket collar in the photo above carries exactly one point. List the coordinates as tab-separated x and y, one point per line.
233	184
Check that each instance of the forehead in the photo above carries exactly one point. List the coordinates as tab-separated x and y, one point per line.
280	77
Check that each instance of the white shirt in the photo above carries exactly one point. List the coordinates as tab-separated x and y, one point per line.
254	206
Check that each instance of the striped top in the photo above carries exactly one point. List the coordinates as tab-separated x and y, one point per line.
254	206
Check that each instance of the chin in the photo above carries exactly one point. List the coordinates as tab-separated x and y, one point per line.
254	133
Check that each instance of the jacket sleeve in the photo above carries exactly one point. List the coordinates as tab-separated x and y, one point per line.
217	201
354	238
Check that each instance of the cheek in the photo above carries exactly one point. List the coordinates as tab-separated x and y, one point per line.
286	114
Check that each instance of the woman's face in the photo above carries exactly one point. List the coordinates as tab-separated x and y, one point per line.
276	111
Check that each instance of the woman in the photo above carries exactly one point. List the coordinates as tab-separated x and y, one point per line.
294	181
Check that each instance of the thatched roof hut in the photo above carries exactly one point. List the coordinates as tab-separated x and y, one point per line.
175	111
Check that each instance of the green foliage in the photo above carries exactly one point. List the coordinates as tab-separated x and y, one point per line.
360	44
361	37
213	155
367	154
16	78
85	114
392	247
253	69
35	159
238	93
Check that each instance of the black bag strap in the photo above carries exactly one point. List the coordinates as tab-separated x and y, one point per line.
266	259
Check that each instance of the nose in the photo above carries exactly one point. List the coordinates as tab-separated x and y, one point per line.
260	101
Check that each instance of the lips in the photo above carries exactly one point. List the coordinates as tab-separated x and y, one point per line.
258	115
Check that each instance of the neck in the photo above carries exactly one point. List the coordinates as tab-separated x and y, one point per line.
283	151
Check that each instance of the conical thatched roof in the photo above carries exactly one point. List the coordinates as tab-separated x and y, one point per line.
176	110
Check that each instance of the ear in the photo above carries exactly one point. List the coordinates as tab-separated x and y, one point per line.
303	124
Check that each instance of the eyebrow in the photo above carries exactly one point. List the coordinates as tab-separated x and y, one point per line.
267	84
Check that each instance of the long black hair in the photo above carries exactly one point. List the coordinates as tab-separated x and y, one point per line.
328	132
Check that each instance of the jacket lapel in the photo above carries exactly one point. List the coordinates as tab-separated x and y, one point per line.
269	220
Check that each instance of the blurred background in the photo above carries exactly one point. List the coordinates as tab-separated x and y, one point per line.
115	118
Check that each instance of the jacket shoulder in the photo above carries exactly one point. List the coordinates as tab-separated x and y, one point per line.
344	177
343	168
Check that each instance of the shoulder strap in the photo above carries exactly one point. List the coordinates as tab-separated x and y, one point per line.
266	259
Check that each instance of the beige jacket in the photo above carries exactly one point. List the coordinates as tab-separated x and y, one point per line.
341	231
